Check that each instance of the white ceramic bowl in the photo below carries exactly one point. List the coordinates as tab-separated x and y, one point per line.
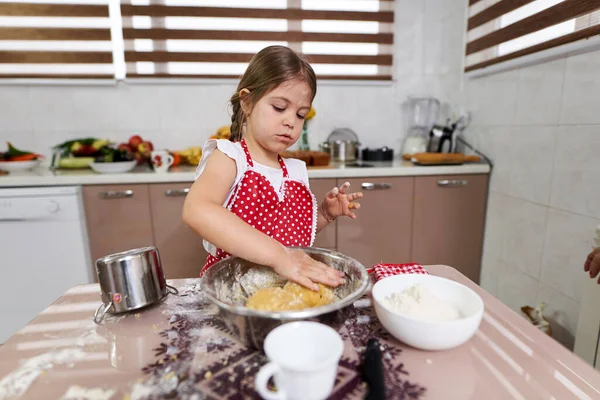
12	166
424	334
113	167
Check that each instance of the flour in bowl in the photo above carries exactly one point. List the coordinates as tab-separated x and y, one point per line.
419	302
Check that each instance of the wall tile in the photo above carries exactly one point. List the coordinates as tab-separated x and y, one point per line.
523	244
576	169
568	242
516	288
532	163
581	98
540	93
15	109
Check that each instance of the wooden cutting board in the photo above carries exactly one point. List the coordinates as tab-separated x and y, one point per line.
441	158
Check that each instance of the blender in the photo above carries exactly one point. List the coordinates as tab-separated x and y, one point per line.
420	114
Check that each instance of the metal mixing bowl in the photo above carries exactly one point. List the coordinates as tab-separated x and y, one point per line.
230	282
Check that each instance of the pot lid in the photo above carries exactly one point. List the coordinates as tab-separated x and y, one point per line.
343	135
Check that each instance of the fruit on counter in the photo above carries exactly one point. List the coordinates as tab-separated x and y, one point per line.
176	158
134	142
139	148
75	162
110	154
191	155
222	133
14	154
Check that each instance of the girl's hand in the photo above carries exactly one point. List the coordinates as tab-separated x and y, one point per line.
592	263
338	202
299	267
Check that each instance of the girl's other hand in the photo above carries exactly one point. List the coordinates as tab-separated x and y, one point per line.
339	202
299	267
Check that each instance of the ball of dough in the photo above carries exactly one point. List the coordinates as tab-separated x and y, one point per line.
275	299
311	298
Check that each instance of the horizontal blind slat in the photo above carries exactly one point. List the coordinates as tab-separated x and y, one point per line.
55	57
495	11
216	12
564	11
53	10
164	56
570	38
54	34
289	36
333	77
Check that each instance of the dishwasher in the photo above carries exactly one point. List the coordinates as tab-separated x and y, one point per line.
43	251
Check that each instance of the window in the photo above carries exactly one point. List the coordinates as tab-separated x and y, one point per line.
344	39
504	30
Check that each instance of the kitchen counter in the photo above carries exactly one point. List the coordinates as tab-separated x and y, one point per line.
46	177
180	349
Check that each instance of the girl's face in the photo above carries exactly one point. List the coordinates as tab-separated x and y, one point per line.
276	120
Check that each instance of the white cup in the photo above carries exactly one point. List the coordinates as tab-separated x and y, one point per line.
161	160
304	359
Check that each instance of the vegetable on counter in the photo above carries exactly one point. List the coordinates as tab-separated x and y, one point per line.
14	154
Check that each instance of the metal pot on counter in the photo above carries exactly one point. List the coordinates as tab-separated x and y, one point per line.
130	280
342	145
230	282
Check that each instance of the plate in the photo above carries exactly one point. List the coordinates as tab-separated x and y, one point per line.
12	166
113	167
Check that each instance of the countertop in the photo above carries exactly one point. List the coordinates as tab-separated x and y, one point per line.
43	176
181	349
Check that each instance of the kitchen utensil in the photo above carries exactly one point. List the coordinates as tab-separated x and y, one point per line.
380	154
130	280
420	114
442	158
161	160
427	334
113	167
222	284
304	360
372	371
14	166
342	144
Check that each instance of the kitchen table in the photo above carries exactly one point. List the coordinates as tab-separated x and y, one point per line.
180	349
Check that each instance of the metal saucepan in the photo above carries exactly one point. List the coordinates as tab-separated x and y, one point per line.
130	280
342	145
229	281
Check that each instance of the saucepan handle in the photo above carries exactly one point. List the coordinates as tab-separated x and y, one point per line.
99	315
172	290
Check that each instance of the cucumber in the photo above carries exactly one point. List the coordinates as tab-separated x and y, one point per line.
75	162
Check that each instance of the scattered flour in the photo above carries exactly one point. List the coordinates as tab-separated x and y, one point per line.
419	302
81	393
16	383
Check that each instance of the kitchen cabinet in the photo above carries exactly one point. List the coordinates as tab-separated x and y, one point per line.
327	238
382	231
118	218
448	221
181	250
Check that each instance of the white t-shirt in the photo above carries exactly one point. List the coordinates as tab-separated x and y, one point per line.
296	170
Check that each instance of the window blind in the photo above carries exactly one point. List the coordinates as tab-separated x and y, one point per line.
502	30
55	39
343	39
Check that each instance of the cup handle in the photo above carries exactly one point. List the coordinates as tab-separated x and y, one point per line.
261	380
171	160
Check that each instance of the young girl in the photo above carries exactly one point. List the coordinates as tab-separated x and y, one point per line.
247	200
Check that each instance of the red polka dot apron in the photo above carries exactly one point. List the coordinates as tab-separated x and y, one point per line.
288	216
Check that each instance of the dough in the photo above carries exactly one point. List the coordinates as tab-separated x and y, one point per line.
292	297
311	298
274	299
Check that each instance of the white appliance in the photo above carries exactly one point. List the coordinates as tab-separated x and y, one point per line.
43	251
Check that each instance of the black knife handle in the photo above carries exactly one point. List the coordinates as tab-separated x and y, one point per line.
372	371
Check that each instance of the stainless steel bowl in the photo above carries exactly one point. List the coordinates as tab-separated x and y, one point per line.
230	282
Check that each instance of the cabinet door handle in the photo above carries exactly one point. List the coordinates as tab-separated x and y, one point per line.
453	182
177	192
375	186
111	194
